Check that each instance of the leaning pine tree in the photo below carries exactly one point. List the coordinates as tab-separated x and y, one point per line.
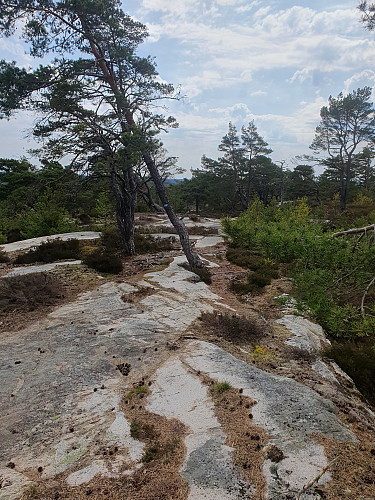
95	98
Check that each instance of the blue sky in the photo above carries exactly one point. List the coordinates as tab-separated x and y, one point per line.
274	62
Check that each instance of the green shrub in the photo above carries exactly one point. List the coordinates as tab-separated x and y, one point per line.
110	239
257	280
330	274
151	453
104	262
149	244
244	257
45	218
357	359
51	251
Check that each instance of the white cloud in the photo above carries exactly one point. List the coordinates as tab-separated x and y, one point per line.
298	38
177	7
262	12
258	92
232	112
248	7
358	80
300	75
227	2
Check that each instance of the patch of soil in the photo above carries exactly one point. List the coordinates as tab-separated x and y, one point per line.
137	264
137	296
353	471
234	412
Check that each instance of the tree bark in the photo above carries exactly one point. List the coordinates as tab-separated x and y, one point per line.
192	257
249	178
125	201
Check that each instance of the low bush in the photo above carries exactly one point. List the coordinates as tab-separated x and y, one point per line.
51	251
357	359
102	261
264	270
28	292
110	241
332	276
4	257
237	329
243	257
194	217
255	284
149	244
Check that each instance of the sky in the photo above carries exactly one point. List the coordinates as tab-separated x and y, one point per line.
275	62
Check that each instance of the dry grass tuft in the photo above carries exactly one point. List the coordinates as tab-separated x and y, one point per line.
28	292
237	329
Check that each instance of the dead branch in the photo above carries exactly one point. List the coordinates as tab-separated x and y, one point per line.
342	278
364	296
355	230
316	479
358	241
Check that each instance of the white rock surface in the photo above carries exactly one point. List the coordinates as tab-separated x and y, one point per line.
209	241
21	271
34	242
289	411
320	367
306	335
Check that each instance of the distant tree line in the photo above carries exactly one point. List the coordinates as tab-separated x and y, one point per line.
343	146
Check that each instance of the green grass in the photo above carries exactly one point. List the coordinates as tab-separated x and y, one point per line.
221	387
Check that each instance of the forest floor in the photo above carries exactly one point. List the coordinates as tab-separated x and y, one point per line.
153	385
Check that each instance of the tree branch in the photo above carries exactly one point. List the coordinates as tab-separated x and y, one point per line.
354	231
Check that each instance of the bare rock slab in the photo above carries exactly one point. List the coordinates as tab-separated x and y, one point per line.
34	242
289	411
307	335
208	466
21	271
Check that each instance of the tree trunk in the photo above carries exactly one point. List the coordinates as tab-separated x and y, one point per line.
249	177
125	201
192	257
244	204
344	180
149	200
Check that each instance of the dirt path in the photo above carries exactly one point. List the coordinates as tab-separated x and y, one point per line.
123	393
